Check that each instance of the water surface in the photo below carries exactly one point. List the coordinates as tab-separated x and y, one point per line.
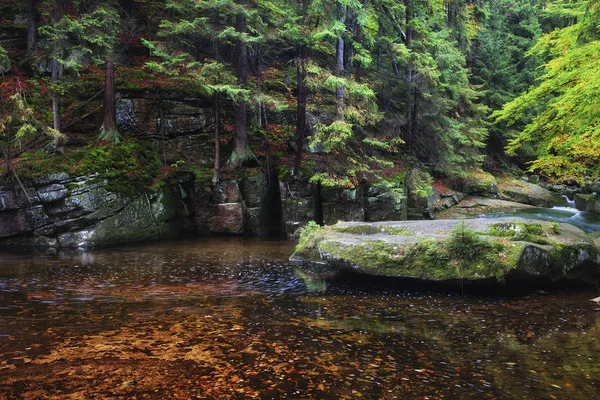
232	318
564	213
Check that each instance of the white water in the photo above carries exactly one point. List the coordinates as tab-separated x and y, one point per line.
566	213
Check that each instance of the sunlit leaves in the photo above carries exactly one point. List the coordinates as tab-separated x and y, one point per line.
21	116
568	125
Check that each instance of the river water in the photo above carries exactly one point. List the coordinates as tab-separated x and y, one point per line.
224	318
564	213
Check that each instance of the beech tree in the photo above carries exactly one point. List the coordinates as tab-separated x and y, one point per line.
566	126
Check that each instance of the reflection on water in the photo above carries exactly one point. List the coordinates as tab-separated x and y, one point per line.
232	318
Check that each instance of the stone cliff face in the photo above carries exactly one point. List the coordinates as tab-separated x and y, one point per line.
63	211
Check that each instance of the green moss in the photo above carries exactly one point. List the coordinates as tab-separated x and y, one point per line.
587	197
128	166
284	174
594	235
525	231
462	256
369	229
311	235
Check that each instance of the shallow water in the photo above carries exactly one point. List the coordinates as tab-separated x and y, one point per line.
232	318
565	213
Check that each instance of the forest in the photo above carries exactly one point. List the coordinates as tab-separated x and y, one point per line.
334	92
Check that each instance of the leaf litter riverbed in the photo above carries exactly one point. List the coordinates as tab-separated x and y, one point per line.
232	318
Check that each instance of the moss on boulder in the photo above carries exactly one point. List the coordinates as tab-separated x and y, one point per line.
526	193
451	250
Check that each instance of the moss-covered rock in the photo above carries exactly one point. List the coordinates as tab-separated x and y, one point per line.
452	250
480	183
527	193
588	202
61	211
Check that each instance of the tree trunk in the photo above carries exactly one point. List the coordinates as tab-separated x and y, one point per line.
110	113
55	95
258	86
302	96
57	13
339	69
109	125
241	154
411	108
217	164
129	7
32	36
358	38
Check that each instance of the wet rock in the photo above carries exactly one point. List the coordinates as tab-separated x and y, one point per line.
16	222
14	197
525	192
227	218
226	192
52	192
588	202
253	190
82	212
476	250
252	222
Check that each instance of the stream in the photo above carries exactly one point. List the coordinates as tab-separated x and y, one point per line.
221	318
565	213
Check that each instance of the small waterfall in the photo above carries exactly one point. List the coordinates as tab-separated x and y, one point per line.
565	212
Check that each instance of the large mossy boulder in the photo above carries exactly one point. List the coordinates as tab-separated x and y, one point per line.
475	250
527	193
588	202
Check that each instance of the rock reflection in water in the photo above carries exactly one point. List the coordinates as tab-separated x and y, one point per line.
231	318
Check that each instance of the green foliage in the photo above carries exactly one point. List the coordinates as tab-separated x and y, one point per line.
419	183
539	233
310	235
4	60
128	166
566	127
20	117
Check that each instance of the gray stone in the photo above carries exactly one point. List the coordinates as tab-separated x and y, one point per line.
226	192
253	222
80	212
14	198
52	192
588	202
17	222
527	193
227	218
384	207
343	211
59	177
253	190
148	217
202	208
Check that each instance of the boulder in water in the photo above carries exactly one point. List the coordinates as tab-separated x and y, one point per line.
474	251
